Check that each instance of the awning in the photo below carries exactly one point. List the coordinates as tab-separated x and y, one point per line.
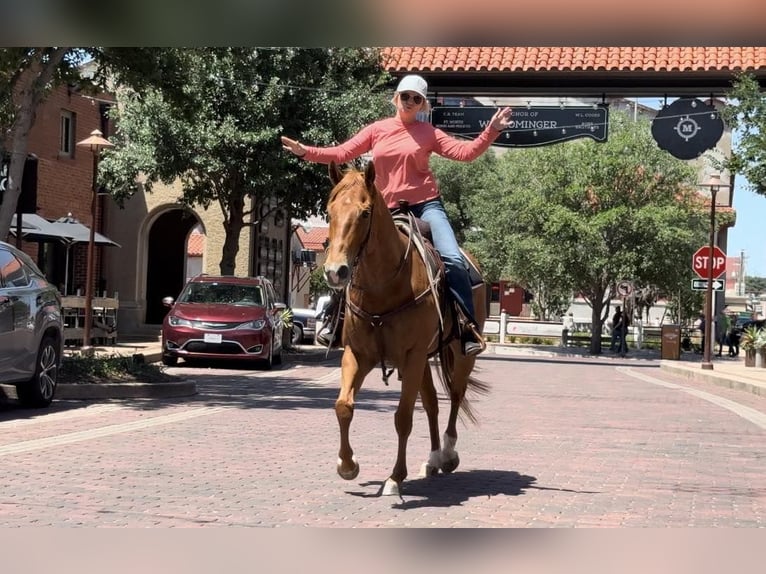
65	229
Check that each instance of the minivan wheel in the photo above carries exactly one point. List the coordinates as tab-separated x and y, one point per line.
297	335
268	362
276	358
39	390
169	360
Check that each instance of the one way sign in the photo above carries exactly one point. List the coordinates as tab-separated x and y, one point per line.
701	285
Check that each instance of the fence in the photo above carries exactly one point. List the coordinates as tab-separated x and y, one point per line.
104	319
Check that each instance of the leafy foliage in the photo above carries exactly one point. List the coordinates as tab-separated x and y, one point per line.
81	369
755	285
581	216
745	112
217	127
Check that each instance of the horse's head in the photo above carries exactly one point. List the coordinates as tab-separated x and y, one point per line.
350	212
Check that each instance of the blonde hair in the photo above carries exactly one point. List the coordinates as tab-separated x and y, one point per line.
425	107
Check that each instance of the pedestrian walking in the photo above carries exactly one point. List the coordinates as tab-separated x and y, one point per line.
616	328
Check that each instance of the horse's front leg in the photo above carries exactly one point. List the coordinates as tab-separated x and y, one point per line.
412	376
431	406
352	375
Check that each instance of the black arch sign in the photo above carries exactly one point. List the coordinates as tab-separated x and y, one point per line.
530	127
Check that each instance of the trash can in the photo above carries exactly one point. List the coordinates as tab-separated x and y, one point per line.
671	342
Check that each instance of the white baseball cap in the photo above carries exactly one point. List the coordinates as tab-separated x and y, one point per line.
413	83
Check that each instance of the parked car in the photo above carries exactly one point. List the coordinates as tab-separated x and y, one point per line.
304	325
31	328
307	321
743	323
224	317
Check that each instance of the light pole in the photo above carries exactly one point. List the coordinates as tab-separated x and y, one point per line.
95	142
714	184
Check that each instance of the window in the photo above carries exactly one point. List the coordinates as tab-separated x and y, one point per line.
12	271
66	143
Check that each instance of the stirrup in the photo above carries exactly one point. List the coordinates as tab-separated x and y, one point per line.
472	342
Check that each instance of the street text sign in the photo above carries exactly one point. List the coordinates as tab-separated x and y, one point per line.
701	262
531	126
701	284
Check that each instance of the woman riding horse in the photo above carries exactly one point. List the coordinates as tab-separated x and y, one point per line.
401	147
394	318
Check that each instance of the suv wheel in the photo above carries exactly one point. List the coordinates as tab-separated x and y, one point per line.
39	391
169	360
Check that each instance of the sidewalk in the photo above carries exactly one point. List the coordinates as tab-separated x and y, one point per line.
727	372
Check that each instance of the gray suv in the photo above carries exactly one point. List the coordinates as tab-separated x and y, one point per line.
31	328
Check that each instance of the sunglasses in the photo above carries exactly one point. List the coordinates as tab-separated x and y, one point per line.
416	98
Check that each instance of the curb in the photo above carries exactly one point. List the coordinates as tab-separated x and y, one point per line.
126	390
722	380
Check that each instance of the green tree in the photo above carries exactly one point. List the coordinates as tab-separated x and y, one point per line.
318	284
755	285
27	76
581	216
220	136
745	112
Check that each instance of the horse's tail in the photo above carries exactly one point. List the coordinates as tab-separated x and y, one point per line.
474	386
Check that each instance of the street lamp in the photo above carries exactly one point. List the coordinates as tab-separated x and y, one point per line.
714	184
96	142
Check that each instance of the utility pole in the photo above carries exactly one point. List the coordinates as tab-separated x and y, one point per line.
742	285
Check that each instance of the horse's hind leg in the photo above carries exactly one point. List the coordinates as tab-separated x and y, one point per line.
461	371
352	376
412	375
431	406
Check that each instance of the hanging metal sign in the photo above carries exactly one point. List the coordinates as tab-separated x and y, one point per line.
530	127
687	128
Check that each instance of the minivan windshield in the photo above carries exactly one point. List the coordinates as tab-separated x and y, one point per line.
222	293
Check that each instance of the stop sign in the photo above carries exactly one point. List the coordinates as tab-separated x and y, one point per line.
701	262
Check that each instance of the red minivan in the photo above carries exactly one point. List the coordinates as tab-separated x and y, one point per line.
224	318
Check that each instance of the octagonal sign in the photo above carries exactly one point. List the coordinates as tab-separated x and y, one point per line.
701	262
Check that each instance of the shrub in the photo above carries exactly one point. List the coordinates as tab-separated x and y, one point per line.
112	368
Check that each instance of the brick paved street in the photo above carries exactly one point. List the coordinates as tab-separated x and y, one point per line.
561	442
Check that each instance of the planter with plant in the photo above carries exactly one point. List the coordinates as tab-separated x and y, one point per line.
760	346
748	344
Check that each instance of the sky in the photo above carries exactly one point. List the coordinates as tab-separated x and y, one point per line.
749	231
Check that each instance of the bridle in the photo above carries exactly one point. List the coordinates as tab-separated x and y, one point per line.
378	320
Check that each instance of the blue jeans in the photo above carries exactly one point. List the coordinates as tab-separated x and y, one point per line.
455	266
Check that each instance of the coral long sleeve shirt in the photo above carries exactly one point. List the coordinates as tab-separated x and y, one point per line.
401	153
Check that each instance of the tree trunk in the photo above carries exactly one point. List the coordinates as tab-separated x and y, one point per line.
31	87
233	223
597	321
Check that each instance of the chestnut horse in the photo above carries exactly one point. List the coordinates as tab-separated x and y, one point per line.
392	318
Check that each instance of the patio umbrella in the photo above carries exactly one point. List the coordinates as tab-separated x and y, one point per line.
67	230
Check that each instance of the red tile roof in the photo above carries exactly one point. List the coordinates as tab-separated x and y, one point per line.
313	239
556	58
196	245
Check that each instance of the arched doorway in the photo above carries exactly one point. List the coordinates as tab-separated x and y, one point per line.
166	259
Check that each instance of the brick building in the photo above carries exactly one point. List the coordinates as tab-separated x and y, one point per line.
64	181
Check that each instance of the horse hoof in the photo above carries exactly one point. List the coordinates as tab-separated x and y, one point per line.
348	474
428	470
451	464
390	488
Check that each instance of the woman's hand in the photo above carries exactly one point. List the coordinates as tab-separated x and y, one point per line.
501	120
293	146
